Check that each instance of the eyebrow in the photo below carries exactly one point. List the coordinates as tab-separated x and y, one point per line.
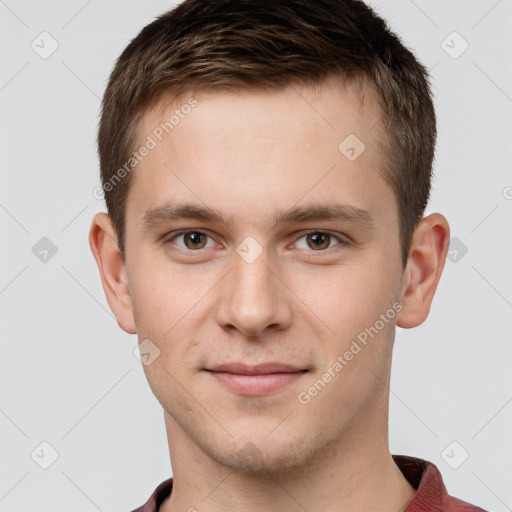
171	211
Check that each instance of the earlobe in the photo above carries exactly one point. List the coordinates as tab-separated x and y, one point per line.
425	265
104	247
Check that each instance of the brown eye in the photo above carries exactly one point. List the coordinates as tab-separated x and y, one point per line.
191	240
318	240
194	240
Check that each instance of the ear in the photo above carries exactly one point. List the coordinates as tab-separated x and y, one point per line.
425	264
104	247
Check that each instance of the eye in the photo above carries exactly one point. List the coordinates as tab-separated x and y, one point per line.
318	240
193	240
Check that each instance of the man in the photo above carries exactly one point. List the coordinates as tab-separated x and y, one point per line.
266	166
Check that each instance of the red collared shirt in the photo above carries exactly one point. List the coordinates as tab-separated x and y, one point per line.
431	494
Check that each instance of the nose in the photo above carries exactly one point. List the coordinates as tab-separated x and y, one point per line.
253	298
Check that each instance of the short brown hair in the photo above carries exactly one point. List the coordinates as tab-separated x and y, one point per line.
265	45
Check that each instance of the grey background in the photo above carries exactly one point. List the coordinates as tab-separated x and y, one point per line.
68	373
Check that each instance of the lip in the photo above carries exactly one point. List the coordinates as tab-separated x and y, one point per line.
260	369
256	380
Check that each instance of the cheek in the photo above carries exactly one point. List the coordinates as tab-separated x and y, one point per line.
165	307
349	302
345	299
171	304
163	296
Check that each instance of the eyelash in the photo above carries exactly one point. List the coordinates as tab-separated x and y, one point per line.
342	242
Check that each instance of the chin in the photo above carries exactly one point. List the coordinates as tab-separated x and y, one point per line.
263	457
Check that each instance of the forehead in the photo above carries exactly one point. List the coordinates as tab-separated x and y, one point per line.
259	150
335	107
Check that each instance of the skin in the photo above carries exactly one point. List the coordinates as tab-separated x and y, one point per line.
246	155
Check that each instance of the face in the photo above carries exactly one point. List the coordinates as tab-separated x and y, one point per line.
257	234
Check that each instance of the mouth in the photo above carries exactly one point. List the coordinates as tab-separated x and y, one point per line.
255	380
